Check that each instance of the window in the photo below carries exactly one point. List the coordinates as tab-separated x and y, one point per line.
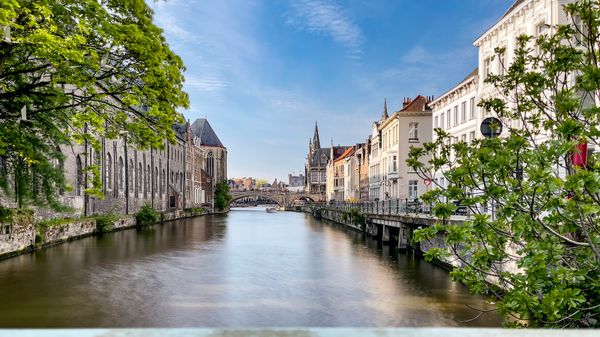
394	164
130	180
413	132
435	122
442	120
109	166
138	188
455	115
448	121
121	184
210	161
472	108
471	136
314	176
463	112
412	190
463	138
487	67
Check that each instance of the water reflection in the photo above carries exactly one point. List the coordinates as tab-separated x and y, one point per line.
247	268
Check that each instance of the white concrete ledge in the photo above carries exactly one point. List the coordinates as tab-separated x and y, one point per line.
298	332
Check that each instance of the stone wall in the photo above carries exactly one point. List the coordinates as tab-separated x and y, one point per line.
17	232
60	233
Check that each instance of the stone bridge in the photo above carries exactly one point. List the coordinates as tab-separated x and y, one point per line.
281	198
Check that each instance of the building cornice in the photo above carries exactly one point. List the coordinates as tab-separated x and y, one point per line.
504	21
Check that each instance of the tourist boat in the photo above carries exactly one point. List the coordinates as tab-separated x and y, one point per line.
271	210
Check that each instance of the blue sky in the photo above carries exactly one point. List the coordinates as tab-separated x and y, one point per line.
263	72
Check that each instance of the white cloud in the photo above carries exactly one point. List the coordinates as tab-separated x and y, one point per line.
328	18
205	84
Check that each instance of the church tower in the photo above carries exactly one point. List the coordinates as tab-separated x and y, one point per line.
384	115
315	142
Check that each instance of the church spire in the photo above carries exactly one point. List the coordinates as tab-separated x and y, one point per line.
384	115
316	142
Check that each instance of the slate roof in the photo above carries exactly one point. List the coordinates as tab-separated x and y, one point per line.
321	156
202	129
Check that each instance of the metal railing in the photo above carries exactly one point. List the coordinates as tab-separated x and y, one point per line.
385	207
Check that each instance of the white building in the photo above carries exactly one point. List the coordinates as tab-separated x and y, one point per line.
375	190
456	113
529	17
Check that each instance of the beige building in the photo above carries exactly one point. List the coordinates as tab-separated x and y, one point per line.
411	126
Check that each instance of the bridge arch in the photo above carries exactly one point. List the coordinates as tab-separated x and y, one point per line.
301	197
256	195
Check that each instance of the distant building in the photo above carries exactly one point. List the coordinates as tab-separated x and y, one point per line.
296	181
316	164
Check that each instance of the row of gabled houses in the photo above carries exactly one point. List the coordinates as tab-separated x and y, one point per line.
377	169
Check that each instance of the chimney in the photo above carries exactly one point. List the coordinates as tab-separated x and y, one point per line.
406	101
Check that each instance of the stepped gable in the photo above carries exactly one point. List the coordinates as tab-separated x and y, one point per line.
202	129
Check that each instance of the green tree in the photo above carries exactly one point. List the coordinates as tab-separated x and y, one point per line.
539	255
222	196
80	70
260	182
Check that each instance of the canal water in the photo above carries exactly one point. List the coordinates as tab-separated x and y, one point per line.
248	268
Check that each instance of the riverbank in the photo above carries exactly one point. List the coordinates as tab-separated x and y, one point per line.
19	234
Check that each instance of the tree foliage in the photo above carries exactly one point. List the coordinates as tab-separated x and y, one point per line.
81	70
222	196
538	252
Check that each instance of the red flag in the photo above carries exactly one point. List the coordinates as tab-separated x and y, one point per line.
579	156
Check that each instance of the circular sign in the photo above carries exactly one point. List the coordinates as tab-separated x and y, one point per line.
427	182
491	127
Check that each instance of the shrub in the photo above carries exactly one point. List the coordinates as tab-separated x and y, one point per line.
147	216
104	222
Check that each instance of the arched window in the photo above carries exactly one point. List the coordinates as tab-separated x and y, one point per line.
121	186
181	181
109	172
138	188
147	181
155	181
210	162
79	178
130	178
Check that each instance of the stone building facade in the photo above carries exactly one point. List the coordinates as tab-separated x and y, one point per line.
131	177
316	164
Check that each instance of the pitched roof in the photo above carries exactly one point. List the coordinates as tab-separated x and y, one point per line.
419	104
346	153
202	129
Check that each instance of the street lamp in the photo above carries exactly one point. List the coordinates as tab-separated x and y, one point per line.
491	127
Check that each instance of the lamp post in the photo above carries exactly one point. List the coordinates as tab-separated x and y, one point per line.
491	127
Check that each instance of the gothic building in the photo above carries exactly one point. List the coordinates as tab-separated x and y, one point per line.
180	175
207	163
316	163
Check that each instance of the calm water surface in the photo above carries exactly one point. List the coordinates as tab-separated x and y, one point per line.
249	268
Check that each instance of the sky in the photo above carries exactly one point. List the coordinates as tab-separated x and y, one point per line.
264	71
